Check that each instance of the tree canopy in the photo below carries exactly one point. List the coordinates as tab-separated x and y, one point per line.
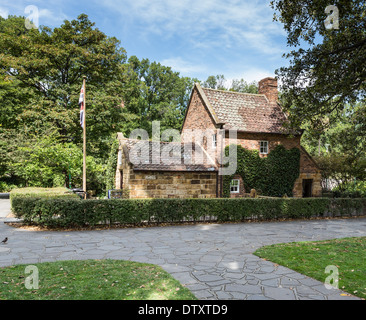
219	82
327	69
41	72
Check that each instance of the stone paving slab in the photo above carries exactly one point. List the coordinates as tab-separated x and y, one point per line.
5	208
214	261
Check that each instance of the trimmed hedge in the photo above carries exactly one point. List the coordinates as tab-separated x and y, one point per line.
58	212
34	192
43	192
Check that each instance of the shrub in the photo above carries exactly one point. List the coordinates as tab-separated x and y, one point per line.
33	192
66	212
5	187
354	189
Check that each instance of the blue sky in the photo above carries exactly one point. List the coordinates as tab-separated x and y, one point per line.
196	38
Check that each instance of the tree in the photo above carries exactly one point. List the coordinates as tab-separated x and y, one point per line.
327	67
243	86
215	82
155	92
40	80
47	66
339	150
238	85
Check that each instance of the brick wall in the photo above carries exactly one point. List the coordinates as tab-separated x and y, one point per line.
197	116
308	170
252	141
268	87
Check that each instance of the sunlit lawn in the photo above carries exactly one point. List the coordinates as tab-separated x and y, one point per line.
311	259
91	280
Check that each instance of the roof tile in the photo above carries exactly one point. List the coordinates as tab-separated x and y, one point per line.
173	156
245	111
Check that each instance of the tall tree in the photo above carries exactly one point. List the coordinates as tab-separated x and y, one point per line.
219	82
327	67
215	82
155	92
49	64
243	86
40	80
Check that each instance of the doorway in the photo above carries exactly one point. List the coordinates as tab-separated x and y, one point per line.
121	179
307	188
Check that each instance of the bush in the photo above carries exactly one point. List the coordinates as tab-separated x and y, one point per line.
356	189
41	193
65	212
5	187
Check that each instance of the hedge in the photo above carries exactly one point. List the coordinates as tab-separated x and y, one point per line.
35	192
58	212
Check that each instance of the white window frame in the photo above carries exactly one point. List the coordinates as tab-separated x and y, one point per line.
235	186
263	147
120	157
214	141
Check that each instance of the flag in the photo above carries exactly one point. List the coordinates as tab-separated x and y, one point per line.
81	104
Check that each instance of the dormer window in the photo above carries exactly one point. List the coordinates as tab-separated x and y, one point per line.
263	148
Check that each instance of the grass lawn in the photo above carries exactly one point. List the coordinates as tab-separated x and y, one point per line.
311	259
92	280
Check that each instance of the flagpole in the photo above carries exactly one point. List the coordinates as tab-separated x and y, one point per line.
84	141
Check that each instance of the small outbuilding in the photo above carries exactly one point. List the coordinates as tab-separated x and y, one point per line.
154	169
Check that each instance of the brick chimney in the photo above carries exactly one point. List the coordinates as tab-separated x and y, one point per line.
268	87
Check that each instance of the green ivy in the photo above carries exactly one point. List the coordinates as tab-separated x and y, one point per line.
273	176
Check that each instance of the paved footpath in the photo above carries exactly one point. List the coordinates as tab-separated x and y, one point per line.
214	261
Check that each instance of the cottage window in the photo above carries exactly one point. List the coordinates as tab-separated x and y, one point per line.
263	149
234	186
119	157
214	141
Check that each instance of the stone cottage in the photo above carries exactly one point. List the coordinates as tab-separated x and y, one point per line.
257	120
154	169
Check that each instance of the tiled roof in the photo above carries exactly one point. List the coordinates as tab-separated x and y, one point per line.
173	156
245	112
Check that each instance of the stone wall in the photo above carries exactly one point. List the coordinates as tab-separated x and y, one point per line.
316	185
172	184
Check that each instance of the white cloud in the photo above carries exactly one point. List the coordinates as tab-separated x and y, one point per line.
4	12
47	16
199	69
184	67
49	12
253	74
205	23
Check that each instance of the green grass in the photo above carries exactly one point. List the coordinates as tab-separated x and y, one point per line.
311	259
92	280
